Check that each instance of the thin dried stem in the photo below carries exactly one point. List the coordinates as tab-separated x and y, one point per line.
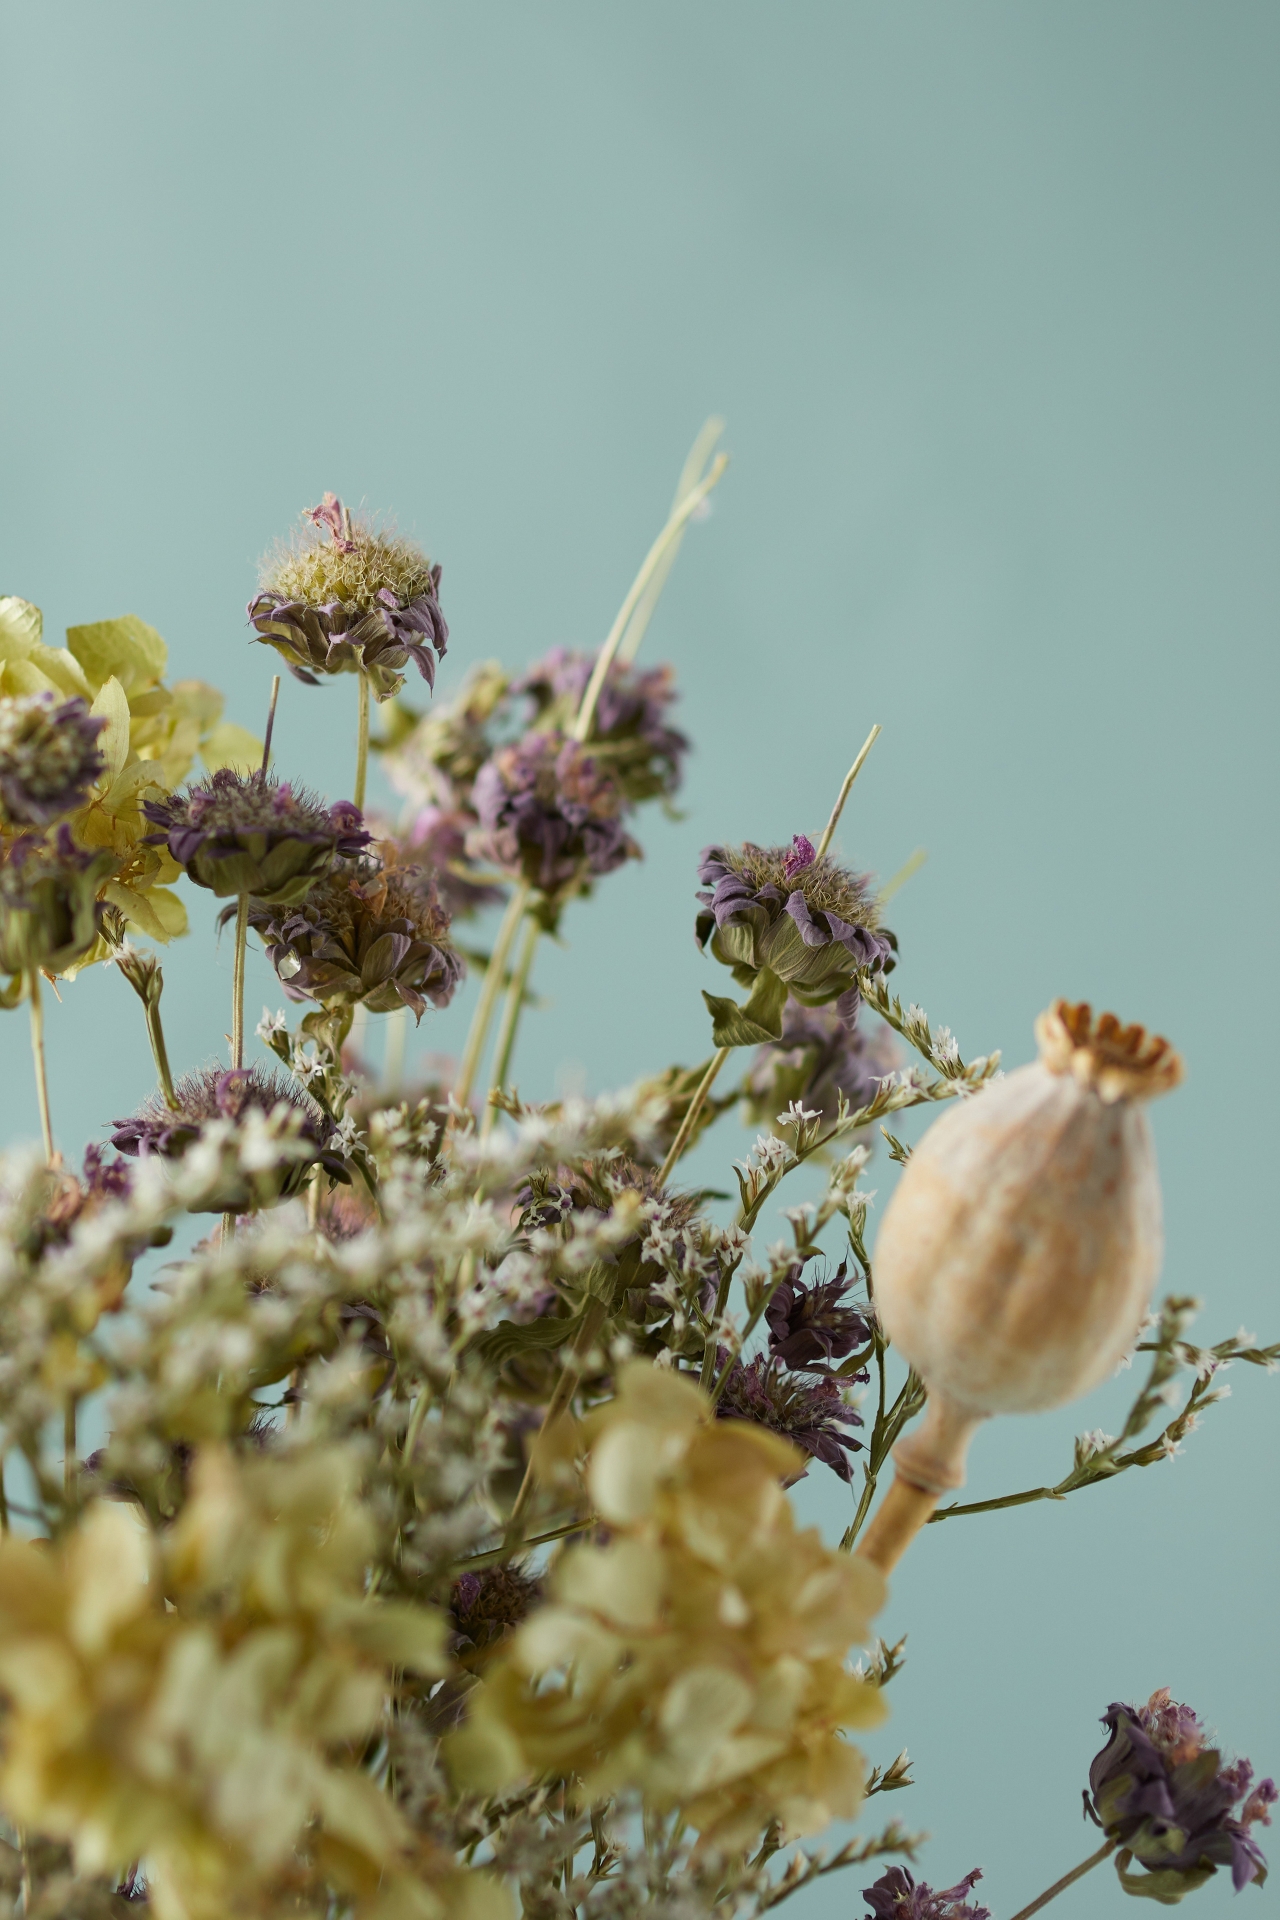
690	1120
362	740
1067	1880
652	560
489	987
271	723
845	790
37	1055
505	1043
237	981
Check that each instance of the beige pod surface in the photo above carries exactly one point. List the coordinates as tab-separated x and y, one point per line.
1018	1255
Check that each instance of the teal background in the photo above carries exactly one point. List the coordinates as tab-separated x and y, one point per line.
988	296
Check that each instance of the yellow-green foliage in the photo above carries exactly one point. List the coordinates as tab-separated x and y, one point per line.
313	569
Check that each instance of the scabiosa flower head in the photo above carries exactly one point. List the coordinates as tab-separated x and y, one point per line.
214	1095
49	909
1169	1801
487	1606
810	1326
371	935
49	756
807	920
811	1413
349	597
549	812
251	833
897	1896
629	735
73	1200
816	1058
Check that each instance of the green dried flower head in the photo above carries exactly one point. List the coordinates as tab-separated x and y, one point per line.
49	903
347	596
339	556
49	757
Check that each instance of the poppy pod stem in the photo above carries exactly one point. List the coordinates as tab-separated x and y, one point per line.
929	1462
237	981
37	1055
362	739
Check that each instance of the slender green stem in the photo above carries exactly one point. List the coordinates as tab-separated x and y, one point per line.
160	1054
237	981
1067	1880
397	1032
690	1120
652	561
504	1046
722	1300
844	792
489	993
37	1055
362	740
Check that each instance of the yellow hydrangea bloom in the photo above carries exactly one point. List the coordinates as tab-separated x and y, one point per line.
152	737
699	1655
197	1701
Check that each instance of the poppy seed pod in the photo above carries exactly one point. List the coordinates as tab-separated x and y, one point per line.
1018	1255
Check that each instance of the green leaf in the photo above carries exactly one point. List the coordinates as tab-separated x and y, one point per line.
228	745
127	648
21	626
1167	1884
750	1025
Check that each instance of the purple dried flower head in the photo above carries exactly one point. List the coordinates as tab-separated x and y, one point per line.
436	837
897	1896
817	1057
815	926
810	1413
251	833
810	1326
549	812
630	735
348	597
70	1201
49	756
1166	1798
487	1606
366	934
216	1095
49	908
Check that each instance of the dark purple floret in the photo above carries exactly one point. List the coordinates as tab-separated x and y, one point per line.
815	925
1167	1799
810	1326
49	756
488	1605
810	1413
546	810
816	1058
897	1896
630	735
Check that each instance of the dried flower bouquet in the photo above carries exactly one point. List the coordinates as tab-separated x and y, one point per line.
439	1561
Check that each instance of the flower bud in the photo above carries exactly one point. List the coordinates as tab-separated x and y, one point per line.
1018	1254
48	903
49	756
